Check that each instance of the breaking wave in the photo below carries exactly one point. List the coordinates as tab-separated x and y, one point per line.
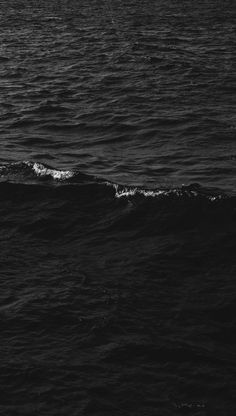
26	169
28	172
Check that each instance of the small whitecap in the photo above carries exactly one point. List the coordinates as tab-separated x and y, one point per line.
41	170
126	192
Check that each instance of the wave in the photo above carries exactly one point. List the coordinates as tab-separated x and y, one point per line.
190	191
57	204
41	170
27	172
26	169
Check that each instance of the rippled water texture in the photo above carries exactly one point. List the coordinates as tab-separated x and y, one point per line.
117	208
137	91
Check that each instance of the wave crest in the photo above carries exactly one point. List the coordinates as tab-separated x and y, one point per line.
41	170
24	172
191	191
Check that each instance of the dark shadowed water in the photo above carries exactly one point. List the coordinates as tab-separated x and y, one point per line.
117	208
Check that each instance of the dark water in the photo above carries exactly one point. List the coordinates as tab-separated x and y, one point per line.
117	208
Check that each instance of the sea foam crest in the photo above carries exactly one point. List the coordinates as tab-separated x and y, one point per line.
124	191
41	170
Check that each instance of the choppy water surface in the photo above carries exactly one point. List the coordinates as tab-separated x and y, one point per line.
117	207
139	91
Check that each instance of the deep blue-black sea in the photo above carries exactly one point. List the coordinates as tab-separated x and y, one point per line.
117	207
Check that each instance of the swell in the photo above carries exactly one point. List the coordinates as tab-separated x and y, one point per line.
51	203
33	173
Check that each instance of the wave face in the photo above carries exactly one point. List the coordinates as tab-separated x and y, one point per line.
104	284
117	207
38	173
66	195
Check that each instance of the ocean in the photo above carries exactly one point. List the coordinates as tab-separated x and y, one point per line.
117	208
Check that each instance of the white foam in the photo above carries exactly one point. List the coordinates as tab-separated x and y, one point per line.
215	198
126	192
41	170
